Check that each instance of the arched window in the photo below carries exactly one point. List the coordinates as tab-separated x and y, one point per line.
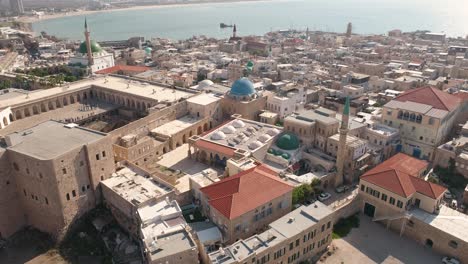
406	116
413	117
419	119
400	114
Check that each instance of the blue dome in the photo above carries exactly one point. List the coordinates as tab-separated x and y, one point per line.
242	87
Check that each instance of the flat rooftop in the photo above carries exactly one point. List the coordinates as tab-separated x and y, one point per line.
117	84
135	187
52	139
301	219
448	220
176	126
172	244
204	99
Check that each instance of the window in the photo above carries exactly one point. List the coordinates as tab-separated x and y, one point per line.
64	170
400	204
392	201
323	228
363	187
27	170
87	187
329	225
103	154
74	193
24	191
40	175
97	157
453	244
384	197
68	197
15	166
291	246
410	223
81	163
83	189
46	200
102	177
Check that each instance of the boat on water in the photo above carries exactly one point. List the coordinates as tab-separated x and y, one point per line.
222	25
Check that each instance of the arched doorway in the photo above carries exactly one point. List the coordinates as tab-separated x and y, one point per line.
26	112
11	118
205	127
5	122
35	110
72	99
18	115
429	243
51	106
43	108
184	139
199	131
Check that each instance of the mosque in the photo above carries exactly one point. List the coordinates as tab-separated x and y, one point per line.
91	55
244	99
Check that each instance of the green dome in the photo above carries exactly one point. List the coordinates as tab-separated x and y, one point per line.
95	47
286	156
288	141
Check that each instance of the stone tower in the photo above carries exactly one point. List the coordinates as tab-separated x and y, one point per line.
349	30
88	44
341	155
234	32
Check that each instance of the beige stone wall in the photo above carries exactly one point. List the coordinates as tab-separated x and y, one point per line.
38	192
421	232
12	213
248	110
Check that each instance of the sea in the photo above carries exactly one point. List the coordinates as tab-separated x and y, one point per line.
259	17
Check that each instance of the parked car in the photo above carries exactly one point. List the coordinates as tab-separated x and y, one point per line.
448	195
450	260
454	204
341	189
324	196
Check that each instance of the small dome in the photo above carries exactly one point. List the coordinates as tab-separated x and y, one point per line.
148	50
255	145
238	123
205	83
229	129
264	138
288	141
242	87
273	132
95	47
271	151
218	135
286	156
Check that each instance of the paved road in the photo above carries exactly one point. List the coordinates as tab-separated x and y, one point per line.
372	243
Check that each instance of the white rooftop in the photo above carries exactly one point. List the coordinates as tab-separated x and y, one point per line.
134	187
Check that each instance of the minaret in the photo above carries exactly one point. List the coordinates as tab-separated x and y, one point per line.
88	44
341	155
234	31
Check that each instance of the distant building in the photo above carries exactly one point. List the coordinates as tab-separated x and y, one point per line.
91	55
17	7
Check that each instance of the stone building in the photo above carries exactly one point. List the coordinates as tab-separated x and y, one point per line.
302	235
425	117
244	100
57	168
394	194
239	207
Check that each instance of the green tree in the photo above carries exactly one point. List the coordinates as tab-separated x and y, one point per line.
300	193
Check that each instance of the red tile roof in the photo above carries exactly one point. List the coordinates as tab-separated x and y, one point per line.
430	96
399	175
241	193
207	145
124	68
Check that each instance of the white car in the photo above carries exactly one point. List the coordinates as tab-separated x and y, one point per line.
449	260
324	196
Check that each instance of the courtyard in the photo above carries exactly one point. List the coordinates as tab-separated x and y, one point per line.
373	243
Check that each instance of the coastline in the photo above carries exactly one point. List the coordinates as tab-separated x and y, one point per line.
32	20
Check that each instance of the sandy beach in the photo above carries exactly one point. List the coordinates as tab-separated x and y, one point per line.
33	19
